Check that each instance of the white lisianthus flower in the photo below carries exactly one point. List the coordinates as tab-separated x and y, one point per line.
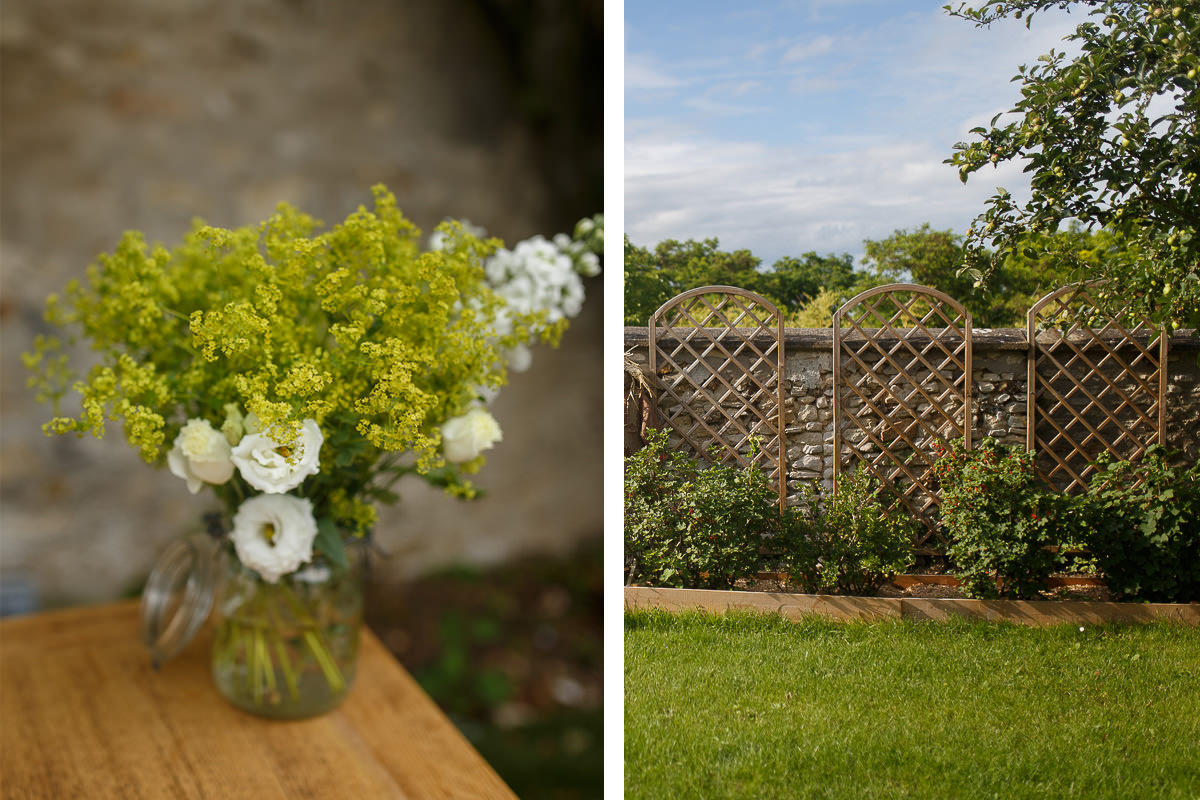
270	467
273	534
201	455
466	436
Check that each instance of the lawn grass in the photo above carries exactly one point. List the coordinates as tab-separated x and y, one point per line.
754	706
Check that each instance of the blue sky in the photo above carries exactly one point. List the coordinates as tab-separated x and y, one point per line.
786	126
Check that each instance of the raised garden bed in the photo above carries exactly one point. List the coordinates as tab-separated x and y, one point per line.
846	608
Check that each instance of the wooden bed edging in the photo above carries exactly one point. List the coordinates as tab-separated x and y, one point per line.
847	609
913	579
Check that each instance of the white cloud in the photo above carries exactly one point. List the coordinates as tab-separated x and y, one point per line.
641	74
714	101
757	51
780	201
809	49
736	88
808	84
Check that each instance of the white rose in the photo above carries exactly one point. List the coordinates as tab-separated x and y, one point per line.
200	455
466	436
273	534
269	467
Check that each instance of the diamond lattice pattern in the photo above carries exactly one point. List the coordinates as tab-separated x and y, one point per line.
902	374
718	355
1097	383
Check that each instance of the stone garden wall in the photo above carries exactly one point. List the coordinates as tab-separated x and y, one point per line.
999	386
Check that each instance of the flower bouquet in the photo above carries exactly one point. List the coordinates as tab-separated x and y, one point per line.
298	376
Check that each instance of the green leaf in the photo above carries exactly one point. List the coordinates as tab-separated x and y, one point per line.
329	541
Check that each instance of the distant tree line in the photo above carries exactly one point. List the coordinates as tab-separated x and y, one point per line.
810	287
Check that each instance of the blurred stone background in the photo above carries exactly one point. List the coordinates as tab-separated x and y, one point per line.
145	114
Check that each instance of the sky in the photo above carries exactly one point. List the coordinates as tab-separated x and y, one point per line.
790	126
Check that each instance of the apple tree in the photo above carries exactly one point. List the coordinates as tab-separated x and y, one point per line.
1111	138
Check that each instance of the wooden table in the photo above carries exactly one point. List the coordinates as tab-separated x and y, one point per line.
83	715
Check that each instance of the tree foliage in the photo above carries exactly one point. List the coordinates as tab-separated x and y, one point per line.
809	288
652	277
795	281
1110	138
923	256
1031	269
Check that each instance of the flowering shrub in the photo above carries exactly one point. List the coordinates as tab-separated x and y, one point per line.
1001	518
1143	527
320	367
846	543
691	524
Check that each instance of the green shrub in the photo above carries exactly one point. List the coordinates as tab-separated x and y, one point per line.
846	543
1144	527
1001	519
691	524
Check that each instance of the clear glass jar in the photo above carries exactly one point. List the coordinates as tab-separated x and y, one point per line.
288	649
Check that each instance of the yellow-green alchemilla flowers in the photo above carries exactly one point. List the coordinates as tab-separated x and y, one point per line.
283	360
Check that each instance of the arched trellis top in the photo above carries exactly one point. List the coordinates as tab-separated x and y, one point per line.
754	300
718	354
859	299
902	385
1097	383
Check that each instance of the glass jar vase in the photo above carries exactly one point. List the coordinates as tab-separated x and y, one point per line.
288	649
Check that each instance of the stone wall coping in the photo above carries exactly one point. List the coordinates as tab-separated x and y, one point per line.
983	338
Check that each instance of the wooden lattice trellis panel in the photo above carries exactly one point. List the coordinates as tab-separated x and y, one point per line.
718	354
902	384
1097	383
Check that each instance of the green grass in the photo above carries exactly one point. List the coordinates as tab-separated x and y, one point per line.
745	706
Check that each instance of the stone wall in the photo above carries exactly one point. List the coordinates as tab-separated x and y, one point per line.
145	114
999	388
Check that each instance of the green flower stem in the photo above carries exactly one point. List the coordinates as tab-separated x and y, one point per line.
251	662
264	659
332	674
285	665
240	644
259	668
285	661
328	666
